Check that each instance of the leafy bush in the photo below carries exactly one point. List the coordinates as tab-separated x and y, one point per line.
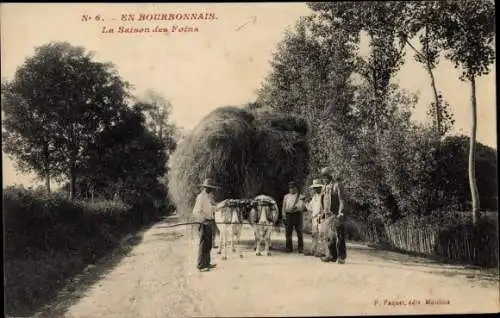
43	222
450	179
411	173
407	159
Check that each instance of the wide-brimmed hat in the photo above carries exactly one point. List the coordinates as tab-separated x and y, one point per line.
316	184
208	183
326	171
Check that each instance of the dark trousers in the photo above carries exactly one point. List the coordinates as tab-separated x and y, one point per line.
335	245
215	232
294	221
205	245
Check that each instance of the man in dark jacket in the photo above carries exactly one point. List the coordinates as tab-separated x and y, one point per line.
333	224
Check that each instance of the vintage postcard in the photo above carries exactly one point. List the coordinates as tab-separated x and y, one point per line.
249	159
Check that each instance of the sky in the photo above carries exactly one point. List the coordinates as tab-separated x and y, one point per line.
222	64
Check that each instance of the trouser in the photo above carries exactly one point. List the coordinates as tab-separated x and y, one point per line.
315	235
215	232
335	246
205	245
294	222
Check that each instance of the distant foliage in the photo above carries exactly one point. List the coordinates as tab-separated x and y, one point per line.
56	105
446	120
127	161
93	138
451	186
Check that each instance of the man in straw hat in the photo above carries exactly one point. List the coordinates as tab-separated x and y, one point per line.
203	212
292	212
315	206
333	211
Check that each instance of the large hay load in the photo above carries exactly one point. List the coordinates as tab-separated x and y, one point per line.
246	152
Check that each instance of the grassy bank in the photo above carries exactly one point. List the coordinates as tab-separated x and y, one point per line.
49	239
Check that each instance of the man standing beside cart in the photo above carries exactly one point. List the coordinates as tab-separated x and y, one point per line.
203	212
293	208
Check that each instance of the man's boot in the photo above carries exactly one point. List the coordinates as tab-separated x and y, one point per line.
328	253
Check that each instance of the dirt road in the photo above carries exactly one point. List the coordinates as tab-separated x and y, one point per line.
158	278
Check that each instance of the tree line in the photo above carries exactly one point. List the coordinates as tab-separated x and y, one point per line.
361	120
72	119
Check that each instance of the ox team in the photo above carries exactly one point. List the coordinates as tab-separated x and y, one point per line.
326	207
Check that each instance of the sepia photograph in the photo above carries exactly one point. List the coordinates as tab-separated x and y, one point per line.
249	159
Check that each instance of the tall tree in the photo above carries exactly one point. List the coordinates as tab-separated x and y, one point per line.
311	76
373	108
157	110
381	22
72	97
27	135
421	18
127	159
466	32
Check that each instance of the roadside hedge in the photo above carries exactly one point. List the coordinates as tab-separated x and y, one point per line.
48	238
449	236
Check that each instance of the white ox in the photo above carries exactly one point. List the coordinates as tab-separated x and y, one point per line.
263	217
228	215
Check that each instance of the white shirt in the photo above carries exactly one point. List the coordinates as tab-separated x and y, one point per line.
289	200
315	205
204	207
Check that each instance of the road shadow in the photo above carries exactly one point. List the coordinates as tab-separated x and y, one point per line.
169	236
77	286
